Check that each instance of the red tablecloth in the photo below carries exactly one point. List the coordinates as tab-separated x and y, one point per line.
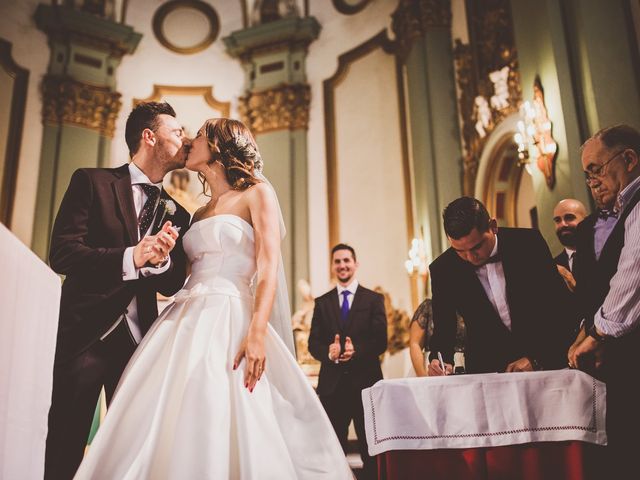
571	460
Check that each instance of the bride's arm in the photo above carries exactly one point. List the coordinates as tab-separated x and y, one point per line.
266	225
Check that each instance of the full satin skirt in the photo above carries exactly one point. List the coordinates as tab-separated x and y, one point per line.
182	412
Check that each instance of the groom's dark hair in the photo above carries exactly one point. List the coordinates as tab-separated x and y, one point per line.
463	215
144	115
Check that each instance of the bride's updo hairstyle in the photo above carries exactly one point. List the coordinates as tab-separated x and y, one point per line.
232	144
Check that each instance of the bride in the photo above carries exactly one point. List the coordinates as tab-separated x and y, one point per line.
213	392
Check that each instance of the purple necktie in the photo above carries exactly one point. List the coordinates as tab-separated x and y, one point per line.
344	311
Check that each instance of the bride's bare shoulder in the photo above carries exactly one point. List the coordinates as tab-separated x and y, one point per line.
260	193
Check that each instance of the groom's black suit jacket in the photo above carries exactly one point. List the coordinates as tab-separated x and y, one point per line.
96	222
366	325
541	323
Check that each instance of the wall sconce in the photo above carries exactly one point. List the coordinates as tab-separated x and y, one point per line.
417	266
534	132
417	262
524	137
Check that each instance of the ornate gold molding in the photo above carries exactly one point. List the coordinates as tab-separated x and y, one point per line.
503	173
463	61
206	92
435	13
413	18
68	101
285	107
491	50
330	85
166	9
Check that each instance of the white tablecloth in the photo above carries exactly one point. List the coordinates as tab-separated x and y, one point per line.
29	305
468	411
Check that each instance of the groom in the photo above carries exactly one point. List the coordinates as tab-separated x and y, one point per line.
112	241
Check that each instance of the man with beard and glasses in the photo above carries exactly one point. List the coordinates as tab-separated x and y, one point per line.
348	334
118	240
567	214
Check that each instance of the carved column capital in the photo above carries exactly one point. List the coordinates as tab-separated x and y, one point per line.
413	18
70	102
285	107
435	13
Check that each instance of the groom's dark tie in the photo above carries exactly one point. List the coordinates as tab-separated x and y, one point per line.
146	214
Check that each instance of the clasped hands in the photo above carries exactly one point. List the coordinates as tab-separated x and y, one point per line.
154	249
585	353
335	350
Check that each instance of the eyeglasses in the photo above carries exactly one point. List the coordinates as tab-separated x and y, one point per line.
596	173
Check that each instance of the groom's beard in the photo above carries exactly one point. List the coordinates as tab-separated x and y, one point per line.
172	161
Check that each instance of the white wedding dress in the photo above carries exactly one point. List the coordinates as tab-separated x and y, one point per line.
181	411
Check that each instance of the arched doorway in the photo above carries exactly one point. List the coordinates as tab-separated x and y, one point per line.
503	183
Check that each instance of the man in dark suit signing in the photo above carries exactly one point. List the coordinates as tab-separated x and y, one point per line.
348	334
116	239
505	285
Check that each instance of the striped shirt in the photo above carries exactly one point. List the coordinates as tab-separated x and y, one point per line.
620	312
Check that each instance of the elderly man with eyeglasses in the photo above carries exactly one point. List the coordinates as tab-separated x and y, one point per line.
607	271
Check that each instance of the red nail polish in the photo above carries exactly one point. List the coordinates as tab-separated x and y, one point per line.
235	365
246	384
251	389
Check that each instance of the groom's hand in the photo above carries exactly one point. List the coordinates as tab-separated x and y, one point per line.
143	252
154	249
165	242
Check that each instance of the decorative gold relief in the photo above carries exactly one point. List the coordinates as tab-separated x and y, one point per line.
463	62
285	107
70	102
488	79
301	323
412	18
397	324
435	13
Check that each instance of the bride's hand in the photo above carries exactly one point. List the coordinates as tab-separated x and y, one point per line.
252	350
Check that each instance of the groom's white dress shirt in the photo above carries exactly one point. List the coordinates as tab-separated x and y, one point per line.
129	270
491	276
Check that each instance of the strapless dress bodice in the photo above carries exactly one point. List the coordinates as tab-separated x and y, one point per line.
222	254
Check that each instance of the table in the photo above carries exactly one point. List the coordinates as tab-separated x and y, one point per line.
535	425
